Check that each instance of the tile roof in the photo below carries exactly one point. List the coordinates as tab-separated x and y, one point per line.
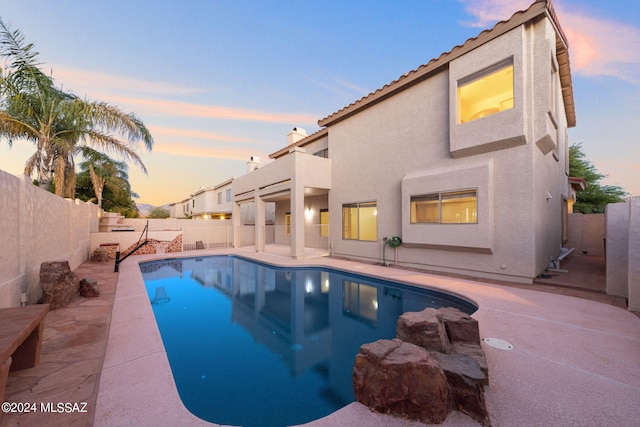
538	8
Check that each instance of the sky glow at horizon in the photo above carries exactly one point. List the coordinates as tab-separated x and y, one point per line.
217	82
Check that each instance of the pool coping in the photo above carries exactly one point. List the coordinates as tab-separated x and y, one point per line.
562	371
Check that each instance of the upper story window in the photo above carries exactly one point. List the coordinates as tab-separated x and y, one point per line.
486	92
359	221
453	207
322	153
219	197
228	194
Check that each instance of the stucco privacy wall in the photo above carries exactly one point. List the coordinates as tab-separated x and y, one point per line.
586	233
623	251
213	233
38	226
634	255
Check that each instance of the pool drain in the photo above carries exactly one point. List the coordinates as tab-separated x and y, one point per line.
498	343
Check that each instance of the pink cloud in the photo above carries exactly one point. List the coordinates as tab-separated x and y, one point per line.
194	134
190	150
177	108
99	81
602	47
598	47
488	12
123	91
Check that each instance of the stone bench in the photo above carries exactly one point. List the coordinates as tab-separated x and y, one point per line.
21	331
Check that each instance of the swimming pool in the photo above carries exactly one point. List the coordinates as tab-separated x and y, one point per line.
255	345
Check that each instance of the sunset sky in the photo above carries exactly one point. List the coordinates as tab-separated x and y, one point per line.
219	81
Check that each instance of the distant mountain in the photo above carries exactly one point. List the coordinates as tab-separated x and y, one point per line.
144	208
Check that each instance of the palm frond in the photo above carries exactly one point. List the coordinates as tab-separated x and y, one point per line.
108	143
111	118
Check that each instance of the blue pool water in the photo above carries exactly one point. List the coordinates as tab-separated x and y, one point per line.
255	345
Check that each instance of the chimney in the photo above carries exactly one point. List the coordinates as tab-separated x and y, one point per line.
296	135
253	163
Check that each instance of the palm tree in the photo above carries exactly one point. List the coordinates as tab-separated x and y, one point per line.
106	181
102	169
60	124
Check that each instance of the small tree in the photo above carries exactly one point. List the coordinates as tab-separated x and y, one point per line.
595	197
158	213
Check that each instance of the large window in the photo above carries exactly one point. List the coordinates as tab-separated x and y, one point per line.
486	92
453	207
359	221
324	222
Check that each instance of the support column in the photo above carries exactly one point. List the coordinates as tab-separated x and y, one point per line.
235	224
260	207
297	221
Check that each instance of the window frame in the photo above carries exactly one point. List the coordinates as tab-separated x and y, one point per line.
287	223
324	222
439	196
358	206
478	75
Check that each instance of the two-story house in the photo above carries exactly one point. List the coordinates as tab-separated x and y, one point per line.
206	203
464	158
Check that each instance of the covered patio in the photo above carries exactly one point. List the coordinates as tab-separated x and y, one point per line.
298	185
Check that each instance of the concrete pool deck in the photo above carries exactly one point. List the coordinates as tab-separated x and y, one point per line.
575	362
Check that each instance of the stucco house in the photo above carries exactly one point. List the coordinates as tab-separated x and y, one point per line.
464	158
207	203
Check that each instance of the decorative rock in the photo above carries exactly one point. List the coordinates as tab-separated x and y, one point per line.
59	284
460	326
401	379
474	351
425	329
466	384
89	288
100	255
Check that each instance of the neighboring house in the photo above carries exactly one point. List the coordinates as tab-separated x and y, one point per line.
217	202
206	203
465	159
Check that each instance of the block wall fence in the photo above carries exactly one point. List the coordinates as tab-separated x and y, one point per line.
623	251
37	226
587	234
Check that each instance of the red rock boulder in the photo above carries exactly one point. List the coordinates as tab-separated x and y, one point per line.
59	284
401	379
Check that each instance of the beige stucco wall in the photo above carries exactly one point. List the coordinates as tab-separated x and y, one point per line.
623	251
634	255
410	144
587	233
38	226
214	232
12	275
